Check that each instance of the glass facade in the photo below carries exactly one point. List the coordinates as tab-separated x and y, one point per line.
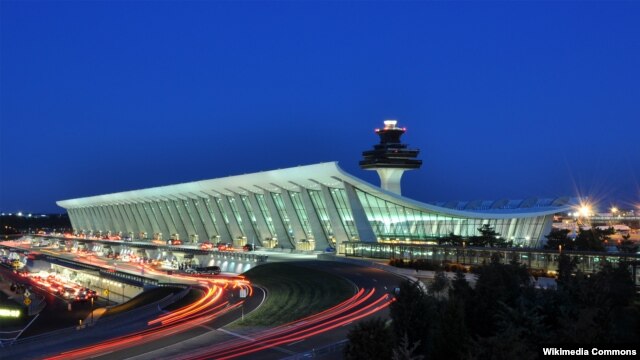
339	197
208	205
296	199
185	203
391	218
252	217
236	213
225	216
277	199
265	213
393	221
442	255
321	209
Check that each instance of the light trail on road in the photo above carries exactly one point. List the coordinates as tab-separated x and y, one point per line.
363	304
366	302
195	314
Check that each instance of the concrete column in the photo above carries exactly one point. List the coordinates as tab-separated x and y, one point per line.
90	221
294	220
121	224
314	220
178	219
144	219
79	220
234	227
223	229
129	226
73	218
188	223
198	223
262	222
336	223
164	212
250	233
84	223
97	219
207	220
145	211
136	224
546	229
281	231
363	226
165	228
74	223
142	226
117	221
107	218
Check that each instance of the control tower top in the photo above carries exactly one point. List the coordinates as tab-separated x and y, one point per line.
390	158
390	152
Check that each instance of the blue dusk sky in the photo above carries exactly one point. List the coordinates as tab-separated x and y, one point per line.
504	99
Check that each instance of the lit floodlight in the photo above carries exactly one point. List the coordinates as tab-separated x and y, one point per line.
585	210
390	124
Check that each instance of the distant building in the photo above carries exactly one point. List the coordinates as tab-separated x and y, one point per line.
308	207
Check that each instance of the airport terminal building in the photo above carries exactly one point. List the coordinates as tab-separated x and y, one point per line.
311	207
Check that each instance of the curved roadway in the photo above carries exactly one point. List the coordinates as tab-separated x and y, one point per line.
202	335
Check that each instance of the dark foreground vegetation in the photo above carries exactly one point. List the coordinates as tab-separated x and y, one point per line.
503	317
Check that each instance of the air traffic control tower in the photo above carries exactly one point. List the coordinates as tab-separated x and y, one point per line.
390	158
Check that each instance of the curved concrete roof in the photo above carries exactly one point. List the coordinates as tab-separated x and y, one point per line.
328	174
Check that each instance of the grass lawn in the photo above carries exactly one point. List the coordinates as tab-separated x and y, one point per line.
294	292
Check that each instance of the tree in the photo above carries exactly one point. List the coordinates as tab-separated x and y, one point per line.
450	335
411	313
520	331
370	339
557	238
593	239
439	284
626	245
451	239
489	237
495	283
406	351
460	288
566	268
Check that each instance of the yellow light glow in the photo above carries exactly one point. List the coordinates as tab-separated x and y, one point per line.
614	209
9	313
585	210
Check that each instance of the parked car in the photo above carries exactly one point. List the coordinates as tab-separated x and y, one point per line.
215	270
206	246
248	247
